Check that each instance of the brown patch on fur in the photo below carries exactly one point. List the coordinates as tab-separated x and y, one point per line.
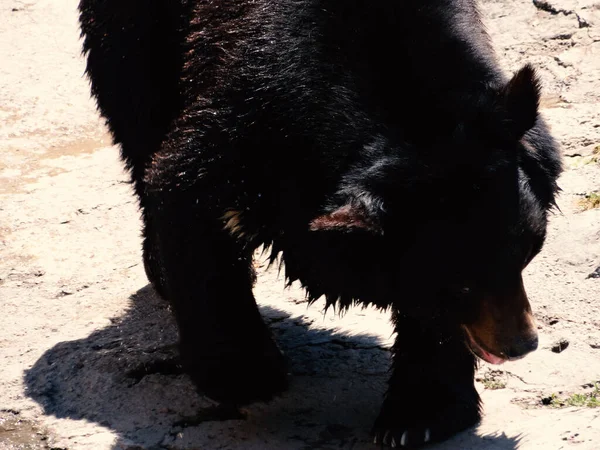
345	218
233	223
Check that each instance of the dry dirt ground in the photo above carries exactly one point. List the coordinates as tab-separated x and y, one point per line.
82	335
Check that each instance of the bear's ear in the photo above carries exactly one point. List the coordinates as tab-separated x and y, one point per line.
521	97
352	216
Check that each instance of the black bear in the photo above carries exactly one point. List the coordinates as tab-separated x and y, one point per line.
375	146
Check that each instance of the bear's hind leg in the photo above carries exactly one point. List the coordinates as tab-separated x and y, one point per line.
431	394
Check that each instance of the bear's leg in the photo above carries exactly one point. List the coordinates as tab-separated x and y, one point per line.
151	257
431	394
208	277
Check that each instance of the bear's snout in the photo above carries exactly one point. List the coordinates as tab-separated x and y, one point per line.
504	329
522	346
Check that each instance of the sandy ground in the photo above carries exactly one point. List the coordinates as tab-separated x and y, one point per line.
82	335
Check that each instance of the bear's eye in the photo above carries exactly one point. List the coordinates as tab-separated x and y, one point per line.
463	293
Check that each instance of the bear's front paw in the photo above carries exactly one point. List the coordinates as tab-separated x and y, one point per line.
403	423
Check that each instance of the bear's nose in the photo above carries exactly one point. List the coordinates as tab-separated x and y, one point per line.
522	346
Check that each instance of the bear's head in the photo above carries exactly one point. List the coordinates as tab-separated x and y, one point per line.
458	215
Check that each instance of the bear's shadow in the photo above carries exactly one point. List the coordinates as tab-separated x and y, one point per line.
123	377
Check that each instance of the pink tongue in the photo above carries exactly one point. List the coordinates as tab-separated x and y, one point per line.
492	359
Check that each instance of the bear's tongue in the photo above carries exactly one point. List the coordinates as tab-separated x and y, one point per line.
485	355
492	359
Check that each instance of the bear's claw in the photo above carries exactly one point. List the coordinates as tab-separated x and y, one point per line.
402	438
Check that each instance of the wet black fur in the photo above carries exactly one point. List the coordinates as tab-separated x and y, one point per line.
281	111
